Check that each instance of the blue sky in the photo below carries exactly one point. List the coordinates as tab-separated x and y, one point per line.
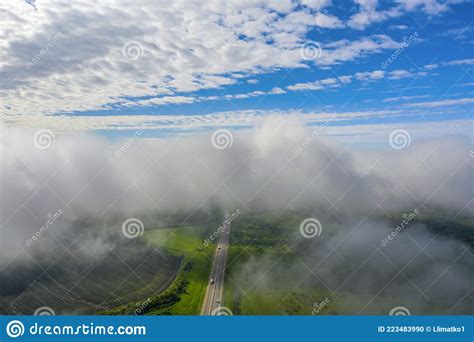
98	68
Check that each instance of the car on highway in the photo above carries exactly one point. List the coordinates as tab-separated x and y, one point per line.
211	281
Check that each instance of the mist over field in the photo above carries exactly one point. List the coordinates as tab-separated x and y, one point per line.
421	270
88	185
90	177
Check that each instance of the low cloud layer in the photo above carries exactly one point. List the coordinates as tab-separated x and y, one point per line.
421	270
279	165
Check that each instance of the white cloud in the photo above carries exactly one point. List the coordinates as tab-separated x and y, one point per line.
306	86
405	98
359	76
369	14
316	4
181	48
441	103
277	90
327	21
398	74
273	91
372	134
162	100
329	81
428	6
345	79
321	84
469	61
367	76
398	27
187	173
239	118
345	50
431	66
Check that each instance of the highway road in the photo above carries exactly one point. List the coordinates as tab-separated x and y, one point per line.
213	297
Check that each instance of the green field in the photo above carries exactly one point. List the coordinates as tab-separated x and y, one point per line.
267	240
274	293
186	242
185	293
269	270
165	272
129	272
